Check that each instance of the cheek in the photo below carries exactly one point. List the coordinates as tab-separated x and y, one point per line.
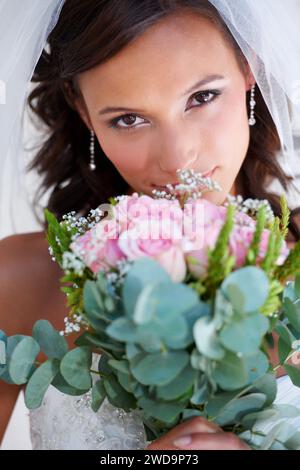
126	153
230	132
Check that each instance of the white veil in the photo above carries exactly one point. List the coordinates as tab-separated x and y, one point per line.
24	29
267	32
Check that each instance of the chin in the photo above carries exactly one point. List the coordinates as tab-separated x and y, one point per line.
215	197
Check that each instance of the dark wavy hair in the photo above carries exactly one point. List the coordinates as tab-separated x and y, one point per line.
88	33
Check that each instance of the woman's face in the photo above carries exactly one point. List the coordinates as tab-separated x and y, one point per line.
170	120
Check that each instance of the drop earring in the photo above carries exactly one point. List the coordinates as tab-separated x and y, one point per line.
252	120
92	164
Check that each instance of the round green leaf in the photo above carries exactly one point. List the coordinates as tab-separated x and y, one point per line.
163	301
160	369
144	271
98	395
51	342
247	289
292	311
206	338
39	383
231	372
117	395
234	411
166	412
3	353
64	387
177	387
244	334
294	374
257	365
21	363
75	367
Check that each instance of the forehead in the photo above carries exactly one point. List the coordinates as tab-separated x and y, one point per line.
167	56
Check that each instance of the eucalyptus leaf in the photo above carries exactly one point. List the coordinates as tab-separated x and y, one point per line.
283	350
22	359
191	413
253	419
294	374
257	365
206	338
244	335
290	291
292	311
39	383
117	395
103	366
170	332
122	366
88	339
64	387
162	411
132	350
250	284
267	384
177	387
284	333
11	343
51	342
75	367
123	329
98	395
233	412
160	369
143	272
127	381
163	301
92	297
231	372
281	432
3	346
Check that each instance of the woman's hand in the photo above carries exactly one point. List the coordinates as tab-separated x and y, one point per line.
198	434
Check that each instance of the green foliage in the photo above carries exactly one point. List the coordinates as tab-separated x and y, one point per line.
174	350
220	262
58	236
50	341
39	383
291	266
253	250
75	367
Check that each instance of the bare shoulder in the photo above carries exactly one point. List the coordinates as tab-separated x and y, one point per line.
29	283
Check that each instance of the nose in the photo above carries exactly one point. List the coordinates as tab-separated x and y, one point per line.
177	150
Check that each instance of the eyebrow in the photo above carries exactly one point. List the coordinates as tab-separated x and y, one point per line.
203	81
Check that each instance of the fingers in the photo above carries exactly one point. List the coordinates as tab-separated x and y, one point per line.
215	441
202	441
198	434
189	426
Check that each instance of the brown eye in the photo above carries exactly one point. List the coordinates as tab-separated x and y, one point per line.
205	96
129	119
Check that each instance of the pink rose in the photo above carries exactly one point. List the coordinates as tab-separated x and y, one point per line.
138	242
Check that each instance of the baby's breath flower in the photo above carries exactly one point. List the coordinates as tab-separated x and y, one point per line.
74	323
71	262
192	185
250	206
80	223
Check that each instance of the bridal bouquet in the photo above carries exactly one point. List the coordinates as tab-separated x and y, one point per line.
180	298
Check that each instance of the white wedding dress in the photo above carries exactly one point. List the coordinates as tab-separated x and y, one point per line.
66	422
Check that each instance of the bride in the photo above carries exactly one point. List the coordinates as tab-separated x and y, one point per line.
129	92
